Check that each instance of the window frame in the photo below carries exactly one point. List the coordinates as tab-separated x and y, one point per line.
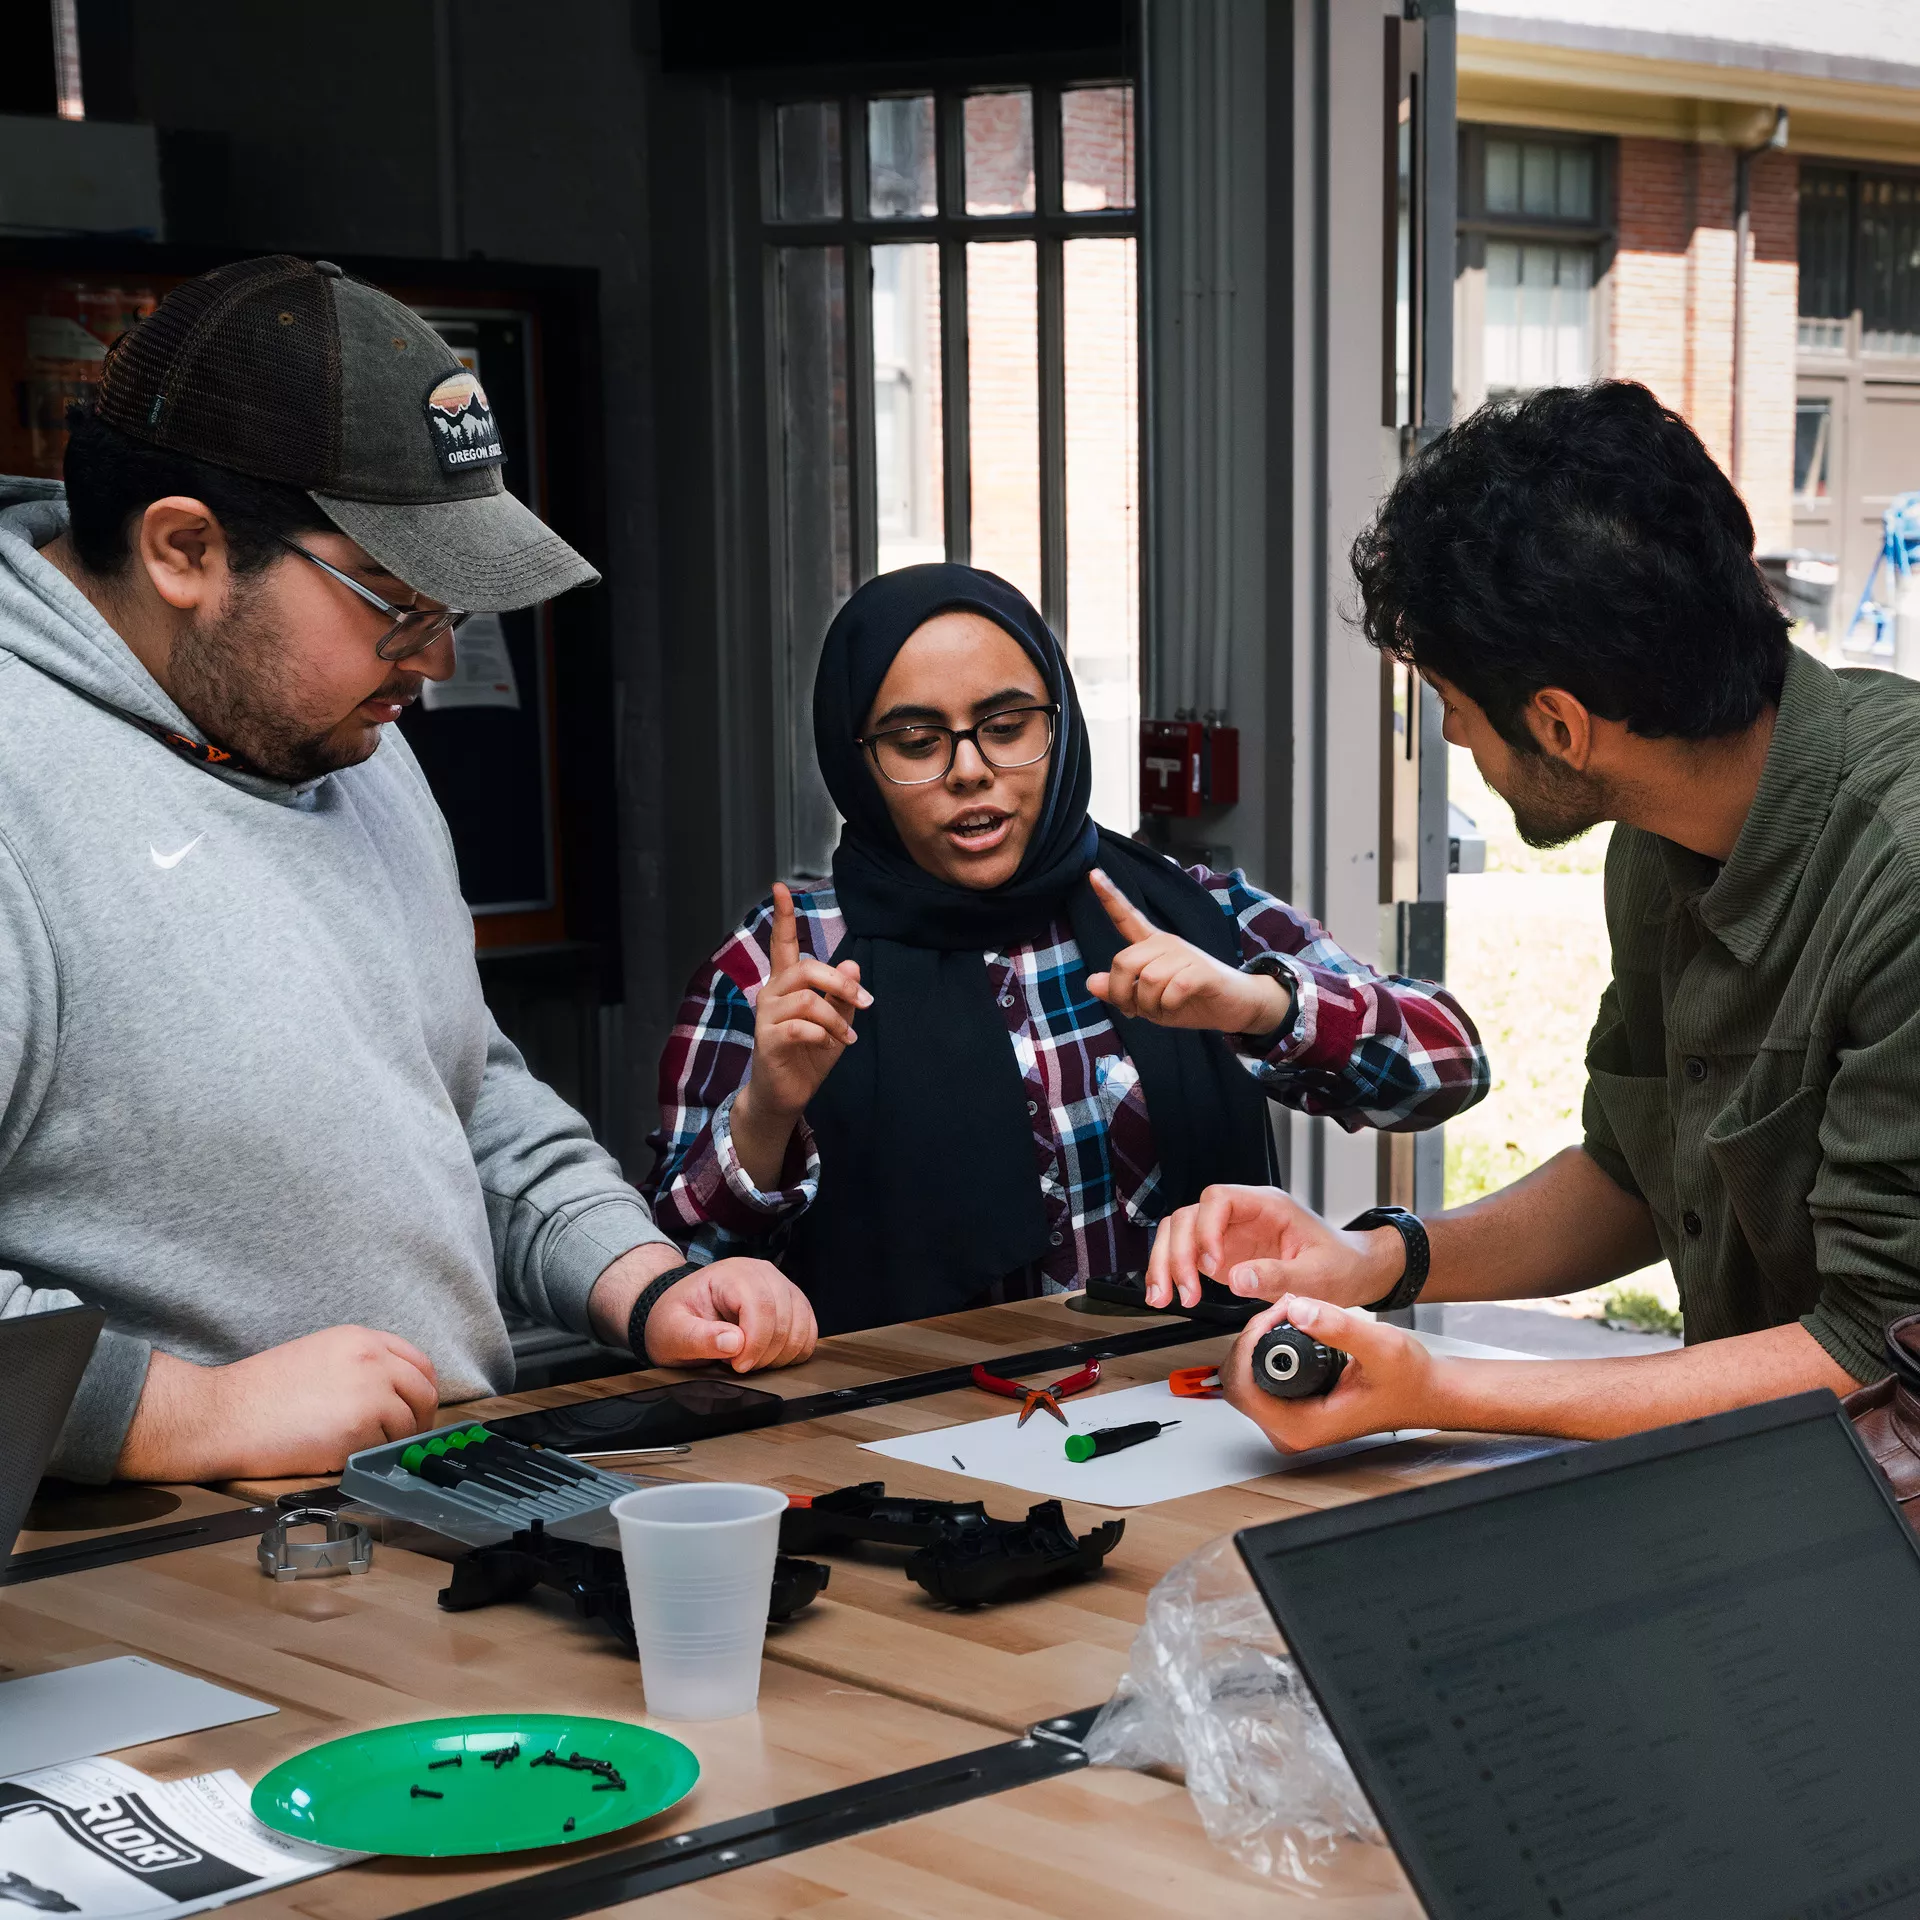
1476	225
952	229
1852	345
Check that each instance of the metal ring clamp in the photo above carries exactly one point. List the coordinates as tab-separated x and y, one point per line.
347	1548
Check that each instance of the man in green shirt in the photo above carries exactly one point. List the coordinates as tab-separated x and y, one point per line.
1574	577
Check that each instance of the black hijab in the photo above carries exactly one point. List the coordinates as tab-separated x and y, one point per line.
929	1183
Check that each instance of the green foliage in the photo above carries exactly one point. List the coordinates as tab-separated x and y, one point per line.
1477	1167
1640	1310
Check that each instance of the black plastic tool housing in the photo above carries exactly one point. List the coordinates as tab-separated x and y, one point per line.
963	1555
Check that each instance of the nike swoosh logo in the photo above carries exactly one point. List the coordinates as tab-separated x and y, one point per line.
165	860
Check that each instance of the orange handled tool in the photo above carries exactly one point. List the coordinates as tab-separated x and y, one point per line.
1194	1383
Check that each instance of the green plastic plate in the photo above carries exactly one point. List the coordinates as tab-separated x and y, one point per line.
358	1793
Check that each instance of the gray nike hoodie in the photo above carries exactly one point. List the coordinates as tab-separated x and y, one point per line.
249	1087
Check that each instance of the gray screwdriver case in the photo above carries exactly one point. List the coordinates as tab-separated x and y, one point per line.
481	1516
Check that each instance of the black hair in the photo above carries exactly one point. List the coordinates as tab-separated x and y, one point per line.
111	477
1579	537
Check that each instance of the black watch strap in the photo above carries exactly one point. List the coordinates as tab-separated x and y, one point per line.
637	1319
1406	1290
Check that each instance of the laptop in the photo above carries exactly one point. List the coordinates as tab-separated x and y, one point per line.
1672	1675
42	1356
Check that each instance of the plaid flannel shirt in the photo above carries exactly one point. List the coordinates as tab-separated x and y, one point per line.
1362	1048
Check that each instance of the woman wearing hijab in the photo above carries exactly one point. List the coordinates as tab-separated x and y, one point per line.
1005	1041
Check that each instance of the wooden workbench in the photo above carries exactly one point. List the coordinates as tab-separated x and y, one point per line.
871	1679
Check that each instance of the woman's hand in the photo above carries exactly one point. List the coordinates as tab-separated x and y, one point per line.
802	1024
1160	977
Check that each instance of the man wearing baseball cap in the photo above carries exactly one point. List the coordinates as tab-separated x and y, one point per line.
251	1099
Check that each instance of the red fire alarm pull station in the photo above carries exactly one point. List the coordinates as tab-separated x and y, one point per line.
1186	766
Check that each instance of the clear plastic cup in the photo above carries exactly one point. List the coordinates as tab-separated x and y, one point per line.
700	1575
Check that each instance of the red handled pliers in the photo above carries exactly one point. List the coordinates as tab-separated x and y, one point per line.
1048	1397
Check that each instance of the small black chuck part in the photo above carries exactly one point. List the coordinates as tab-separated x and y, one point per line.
1292	1365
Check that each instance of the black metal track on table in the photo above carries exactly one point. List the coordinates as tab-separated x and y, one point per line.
140	1543
1011	1366
175	1536
1053	1747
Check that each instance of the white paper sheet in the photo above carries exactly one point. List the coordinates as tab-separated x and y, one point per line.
1212	1447
482	670
97	1839
106	1705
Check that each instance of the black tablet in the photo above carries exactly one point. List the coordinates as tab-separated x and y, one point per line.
653	1417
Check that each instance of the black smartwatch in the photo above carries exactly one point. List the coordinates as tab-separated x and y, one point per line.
1406	1290
637	1319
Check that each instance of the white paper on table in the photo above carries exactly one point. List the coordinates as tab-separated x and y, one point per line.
1213	1446
482	669
105	1705
98	1839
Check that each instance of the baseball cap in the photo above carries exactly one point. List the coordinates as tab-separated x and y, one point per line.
289	370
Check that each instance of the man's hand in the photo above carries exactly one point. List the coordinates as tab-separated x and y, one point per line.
298	1408
1389	1381
1262	1243
1158	976
745	1312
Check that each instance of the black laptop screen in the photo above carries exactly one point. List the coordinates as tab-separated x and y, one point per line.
1685	1685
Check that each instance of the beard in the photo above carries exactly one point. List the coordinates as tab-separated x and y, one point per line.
231	676
1552	804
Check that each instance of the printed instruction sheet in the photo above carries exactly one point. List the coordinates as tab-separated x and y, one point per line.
97	1839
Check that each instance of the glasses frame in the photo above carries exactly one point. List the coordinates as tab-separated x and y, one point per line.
871	741
448	620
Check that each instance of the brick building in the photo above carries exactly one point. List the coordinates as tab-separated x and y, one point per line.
1601	153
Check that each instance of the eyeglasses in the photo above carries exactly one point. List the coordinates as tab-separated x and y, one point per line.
918	756
414	629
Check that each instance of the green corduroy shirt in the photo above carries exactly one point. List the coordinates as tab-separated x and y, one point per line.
1754	1072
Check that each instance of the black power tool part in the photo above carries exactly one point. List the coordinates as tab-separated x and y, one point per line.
1292	1365
594	1579
964	1556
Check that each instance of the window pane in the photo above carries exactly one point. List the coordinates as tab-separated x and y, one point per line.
1812	440
901	183
1576	184
1889	264
1539	306
1003	424
1503	176
1537	179
1823	245
1099	315
1573	308
816	513
1502	347
909	485
1096	149
806	161
999	152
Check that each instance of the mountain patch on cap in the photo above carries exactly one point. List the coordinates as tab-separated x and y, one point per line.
464	432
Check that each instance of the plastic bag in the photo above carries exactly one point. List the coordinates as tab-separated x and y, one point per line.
1209	1689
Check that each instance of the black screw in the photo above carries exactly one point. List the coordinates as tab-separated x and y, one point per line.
434	1766
568	1828
427	1793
